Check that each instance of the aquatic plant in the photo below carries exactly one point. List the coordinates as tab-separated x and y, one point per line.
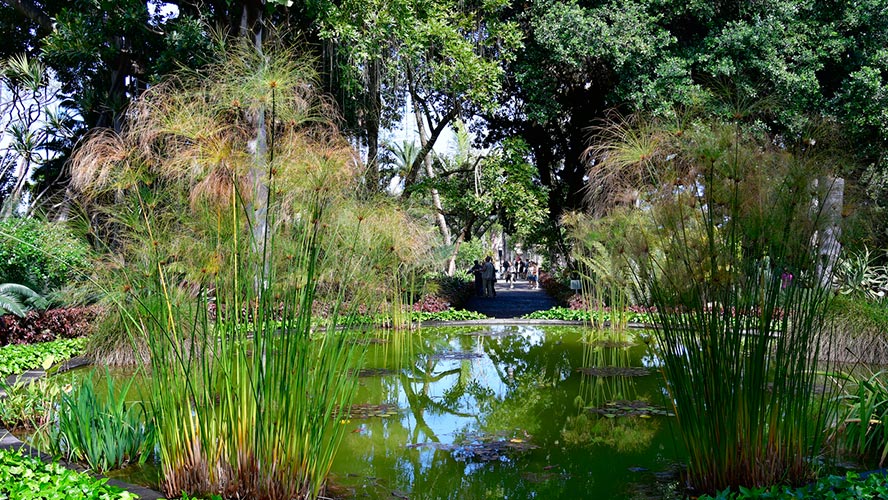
106	430
28	403
29	477
732	266
240	220
863	413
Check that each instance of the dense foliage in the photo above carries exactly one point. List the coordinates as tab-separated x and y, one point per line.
848	487
29	404
20	357
27	478
52	324
40	255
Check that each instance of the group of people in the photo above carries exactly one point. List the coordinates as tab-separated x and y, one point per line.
485	275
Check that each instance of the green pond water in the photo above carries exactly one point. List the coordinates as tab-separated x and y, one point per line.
502	412
512	412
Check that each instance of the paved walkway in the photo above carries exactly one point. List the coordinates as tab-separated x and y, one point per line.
511	303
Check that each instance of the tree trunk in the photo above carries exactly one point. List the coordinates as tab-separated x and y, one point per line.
430	172
15	197
373	110
830	216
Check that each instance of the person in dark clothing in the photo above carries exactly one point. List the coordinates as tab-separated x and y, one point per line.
479	283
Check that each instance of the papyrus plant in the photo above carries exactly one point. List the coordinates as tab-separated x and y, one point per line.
729	261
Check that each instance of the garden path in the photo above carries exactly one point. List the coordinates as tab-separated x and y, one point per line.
511	303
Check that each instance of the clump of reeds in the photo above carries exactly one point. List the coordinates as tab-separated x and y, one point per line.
730	263
231	212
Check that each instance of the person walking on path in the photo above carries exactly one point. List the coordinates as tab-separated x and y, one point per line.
479	283
488	274
533	275
507	273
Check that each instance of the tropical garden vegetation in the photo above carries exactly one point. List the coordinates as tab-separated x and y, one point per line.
226	194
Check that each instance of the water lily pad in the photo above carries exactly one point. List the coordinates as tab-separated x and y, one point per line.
362	411
457	355
481	448
615	371
643	409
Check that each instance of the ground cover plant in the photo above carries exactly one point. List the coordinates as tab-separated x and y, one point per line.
848	487
18	358
446	315
594	316
740	291
26	478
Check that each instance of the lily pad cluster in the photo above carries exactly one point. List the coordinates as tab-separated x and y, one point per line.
363	411
457	355
615	371
482	447
622	408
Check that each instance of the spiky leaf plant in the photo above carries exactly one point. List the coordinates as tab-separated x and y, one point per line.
730	264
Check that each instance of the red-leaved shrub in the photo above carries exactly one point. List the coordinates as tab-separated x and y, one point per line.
52	324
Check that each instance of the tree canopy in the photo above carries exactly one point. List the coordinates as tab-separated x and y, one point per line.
542	71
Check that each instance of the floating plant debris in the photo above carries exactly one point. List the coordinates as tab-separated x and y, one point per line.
369	341
541	477
611	344
371	411
615	371
643	409
457	355
375	372
481	448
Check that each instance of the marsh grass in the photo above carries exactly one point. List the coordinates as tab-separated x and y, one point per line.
860	428
738	339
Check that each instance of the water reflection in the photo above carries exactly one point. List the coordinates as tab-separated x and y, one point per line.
504	412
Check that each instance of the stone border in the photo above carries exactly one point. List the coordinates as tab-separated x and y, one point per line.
9	442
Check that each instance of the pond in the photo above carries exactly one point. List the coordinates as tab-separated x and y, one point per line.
510	412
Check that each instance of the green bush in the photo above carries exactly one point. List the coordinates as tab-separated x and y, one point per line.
595	316
17	358
28	404
448	315
26	478
40	255
849	487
